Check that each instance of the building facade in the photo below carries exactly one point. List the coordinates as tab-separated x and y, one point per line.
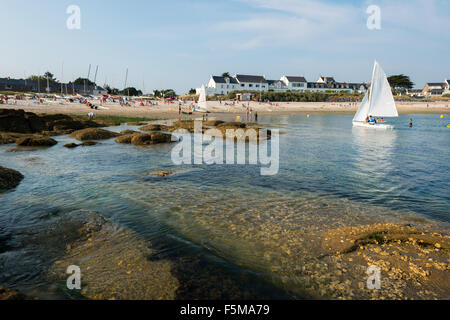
219	85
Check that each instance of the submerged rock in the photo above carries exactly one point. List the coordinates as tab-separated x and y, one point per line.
88	143
93	134
71	145
9	178
9	294
164	173
36	141
231	125
212	123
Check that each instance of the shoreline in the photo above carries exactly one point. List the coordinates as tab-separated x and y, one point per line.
170	111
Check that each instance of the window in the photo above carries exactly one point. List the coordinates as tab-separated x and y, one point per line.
243	85
250	85
257	85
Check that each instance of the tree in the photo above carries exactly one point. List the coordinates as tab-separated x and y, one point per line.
400	82
131	91
226	75
50	76
80	81
192	91
111	90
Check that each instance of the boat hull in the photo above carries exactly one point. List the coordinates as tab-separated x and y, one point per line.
379	126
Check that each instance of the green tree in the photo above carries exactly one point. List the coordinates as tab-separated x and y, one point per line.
192	91
226	75
50	76
131	91
110	90
81	81
400	82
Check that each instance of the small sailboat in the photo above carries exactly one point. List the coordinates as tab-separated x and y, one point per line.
202	105
379	103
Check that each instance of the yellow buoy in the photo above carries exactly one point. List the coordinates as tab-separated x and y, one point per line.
448	126
238	117
307	116
442	116
170	110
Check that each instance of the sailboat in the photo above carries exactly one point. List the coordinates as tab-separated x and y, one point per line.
379	103
202	103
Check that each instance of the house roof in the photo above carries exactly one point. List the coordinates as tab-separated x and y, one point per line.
249	78
436	84
295	79
328	79
222	80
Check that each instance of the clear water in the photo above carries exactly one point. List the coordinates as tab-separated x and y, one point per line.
331	175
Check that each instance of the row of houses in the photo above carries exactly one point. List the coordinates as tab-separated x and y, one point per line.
21	85
432	89
220	85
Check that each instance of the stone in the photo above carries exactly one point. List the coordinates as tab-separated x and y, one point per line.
9	178
93	134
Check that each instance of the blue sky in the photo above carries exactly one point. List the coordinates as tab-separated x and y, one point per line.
179	44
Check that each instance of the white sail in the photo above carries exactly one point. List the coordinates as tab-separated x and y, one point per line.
363	110
381	102
202	99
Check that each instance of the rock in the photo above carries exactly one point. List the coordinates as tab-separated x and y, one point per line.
88	143
19	121
9	294
8	137
212	123
164	173
9	178
36	141
127	132
136	123
125	139
232	125
71	145
154	127
150	138
93	134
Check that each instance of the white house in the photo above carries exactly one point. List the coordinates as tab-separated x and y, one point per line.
219	85
293	83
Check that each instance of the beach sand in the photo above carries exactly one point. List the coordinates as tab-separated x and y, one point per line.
171	110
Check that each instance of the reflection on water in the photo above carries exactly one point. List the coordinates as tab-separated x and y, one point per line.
330	176
374	151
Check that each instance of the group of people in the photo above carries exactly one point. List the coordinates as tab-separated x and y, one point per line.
249	114
373	120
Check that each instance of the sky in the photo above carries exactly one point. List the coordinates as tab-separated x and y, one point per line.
179	44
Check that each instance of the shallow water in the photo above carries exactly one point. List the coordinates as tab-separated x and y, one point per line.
263	227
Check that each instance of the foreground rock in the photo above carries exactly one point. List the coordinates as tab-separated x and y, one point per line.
93	134
9	178
9	294
36	141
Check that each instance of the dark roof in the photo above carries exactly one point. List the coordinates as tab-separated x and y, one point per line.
328	79
436	84
295	79
252	79
222	80
272	81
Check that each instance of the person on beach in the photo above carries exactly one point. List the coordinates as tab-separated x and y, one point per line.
410	123
256	116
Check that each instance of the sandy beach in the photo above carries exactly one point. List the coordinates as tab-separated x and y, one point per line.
170	110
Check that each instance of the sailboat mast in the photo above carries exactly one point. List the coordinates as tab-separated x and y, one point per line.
371	83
